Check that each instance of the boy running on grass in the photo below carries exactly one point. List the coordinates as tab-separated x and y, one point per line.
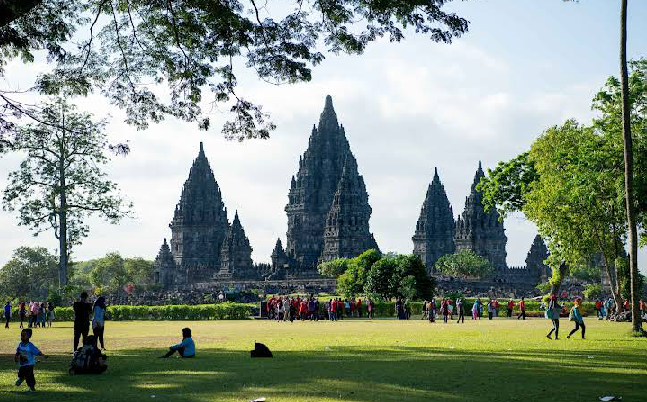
26	354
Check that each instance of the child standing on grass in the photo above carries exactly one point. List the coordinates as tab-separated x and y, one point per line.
26	355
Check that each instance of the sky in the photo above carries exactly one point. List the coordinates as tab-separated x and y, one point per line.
407	107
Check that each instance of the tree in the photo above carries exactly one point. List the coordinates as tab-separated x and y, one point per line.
414	281
351	273
401	276
139	270
333	268
593	291
61	181
378	279
190	45
110	272
464	263
31	274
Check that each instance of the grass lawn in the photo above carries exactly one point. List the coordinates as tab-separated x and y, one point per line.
350	360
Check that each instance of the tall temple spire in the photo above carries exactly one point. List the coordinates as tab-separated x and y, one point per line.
311	193
535	260
479	231
199	222
434	234
328	118
347	232
236	253
164	268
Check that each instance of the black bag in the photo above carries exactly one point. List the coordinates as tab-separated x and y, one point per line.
261	350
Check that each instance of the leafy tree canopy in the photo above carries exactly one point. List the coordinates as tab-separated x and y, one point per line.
401	276
125	48
30	274
464	263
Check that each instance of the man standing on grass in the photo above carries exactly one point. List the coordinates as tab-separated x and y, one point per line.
460	311
7	314
522	307
82	313
510	308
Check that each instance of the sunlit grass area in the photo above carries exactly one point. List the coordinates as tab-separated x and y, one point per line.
350	360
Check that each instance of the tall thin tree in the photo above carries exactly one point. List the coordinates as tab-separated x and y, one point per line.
629	174
61	181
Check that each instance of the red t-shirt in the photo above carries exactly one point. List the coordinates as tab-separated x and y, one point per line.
522	305
359	304
510	305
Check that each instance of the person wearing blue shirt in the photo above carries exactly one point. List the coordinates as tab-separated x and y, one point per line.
7	314
186	348
576	316
26	354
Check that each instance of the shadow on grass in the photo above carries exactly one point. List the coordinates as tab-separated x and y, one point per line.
352	374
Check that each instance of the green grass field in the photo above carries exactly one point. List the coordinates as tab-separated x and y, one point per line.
351	360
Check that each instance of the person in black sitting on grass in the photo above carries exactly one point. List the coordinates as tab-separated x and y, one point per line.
186	348
82	312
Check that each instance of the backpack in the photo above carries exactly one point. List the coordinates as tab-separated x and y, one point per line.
82	358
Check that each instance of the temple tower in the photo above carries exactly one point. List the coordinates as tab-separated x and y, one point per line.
434	235
311	192
535	260
236	254
199	224
480	231
347	231
164	268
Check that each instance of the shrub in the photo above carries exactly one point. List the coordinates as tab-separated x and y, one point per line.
220	311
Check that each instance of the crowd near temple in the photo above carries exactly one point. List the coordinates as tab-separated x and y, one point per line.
328	214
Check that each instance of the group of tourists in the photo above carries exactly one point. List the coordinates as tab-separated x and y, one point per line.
37	314
286	308
337	308
89	358
447	308
604	309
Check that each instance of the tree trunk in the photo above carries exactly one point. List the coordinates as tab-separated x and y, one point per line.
62	213
612	274
629	174
554	287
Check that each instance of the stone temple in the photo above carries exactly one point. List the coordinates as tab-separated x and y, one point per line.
204	246
328	215
476	230
328	211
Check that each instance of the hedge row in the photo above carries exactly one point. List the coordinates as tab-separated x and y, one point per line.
220	311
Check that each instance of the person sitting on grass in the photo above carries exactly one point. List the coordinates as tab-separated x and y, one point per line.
26	354
186	348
